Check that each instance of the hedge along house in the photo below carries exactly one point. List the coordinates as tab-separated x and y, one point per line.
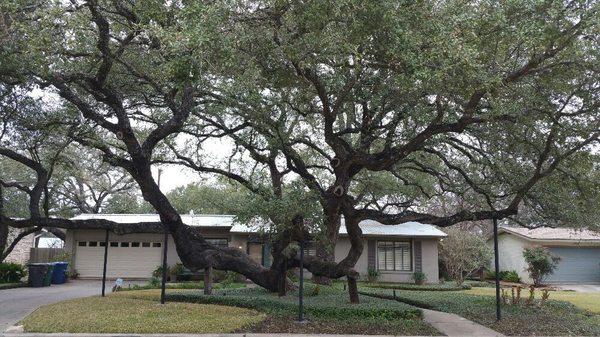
579	251
396	251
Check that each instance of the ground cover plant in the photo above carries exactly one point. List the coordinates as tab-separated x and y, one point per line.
327	311
553	318
130	315
444	286
183	285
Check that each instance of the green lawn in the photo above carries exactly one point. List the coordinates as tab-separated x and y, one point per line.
119	314
586	301
554	318
328	311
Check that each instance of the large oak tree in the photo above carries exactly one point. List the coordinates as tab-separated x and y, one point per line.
359	109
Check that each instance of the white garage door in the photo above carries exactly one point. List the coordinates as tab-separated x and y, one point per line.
126	259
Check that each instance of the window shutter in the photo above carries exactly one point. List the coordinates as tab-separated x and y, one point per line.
418	256
371	254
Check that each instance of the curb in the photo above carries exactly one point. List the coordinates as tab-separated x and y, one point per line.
7	334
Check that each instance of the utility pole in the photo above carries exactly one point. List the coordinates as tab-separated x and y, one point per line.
164	262
497	269
301	287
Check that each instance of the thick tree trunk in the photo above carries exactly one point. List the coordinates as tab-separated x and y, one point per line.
208	280
282	281
353	290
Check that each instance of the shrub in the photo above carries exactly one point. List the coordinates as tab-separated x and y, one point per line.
541	263
446	286
511	276
232	277
155	281
504	275
176	269
62	256
11	272
372	275
158	271
419	277
463	253
218	275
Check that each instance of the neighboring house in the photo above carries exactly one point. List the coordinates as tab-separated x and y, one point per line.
395	250
579	251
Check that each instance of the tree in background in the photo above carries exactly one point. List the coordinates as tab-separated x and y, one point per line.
540	263
319	101
462	253
207	198
87	183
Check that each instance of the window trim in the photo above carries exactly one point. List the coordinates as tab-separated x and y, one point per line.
221	238
412	256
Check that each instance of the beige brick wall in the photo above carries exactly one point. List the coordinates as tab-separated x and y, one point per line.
20	253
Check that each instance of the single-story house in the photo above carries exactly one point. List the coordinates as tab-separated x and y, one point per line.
579	251
397	251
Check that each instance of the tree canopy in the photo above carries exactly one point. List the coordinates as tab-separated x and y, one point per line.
325	112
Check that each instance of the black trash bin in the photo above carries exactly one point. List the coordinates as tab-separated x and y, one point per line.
37	274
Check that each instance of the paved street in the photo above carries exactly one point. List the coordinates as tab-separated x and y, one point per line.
17	303
584	288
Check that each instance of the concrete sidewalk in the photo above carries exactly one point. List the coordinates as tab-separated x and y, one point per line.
454	325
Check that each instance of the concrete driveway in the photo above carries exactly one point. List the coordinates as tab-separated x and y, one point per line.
17	303
584	288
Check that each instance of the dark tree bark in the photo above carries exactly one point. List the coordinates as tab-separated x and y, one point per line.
353	290
208	280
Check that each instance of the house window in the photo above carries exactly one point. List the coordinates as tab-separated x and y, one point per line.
394	255
135	244
145	244
93	244
310	249
114	244
124	244
218	242
102	244
156	244
81	243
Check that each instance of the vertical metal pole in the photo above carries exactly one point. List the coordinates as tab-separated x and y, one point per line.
497	269
105	264
301	288
164	269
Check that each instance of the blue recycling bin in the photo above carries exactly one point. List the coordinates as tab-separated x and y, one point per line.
59	272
